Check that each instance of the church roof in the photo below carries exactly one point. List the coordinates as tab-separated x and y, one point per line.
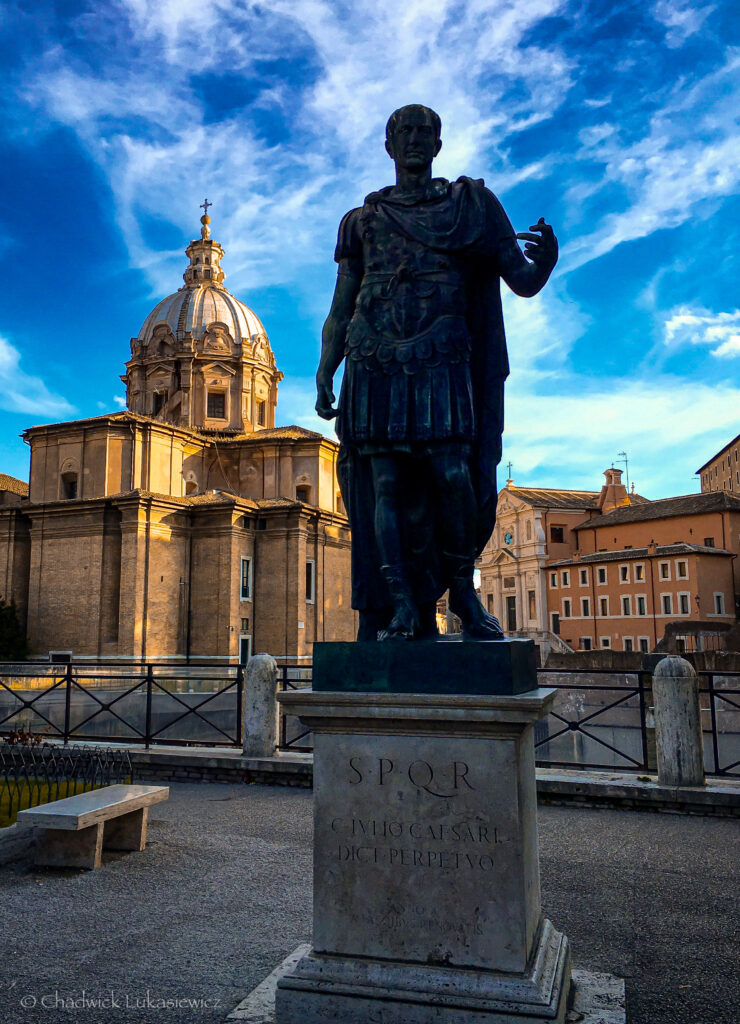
547	497
13	485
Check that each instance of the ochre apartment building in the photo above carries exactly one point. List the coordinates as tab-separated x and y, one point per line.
583	570
722	471
188	525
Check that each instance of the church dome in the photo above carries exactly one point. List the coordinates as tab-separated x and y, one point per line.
202	358
203	300
193	308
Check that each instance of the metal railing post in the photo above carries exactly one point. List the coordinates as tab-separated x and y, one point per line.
67	702
645	686
239	703
713	718
148	721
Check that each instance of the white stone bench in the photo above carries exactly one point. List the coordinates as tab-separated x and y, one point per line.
75	830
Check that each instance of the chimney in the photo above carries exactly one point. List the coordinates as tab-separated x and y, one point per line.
613	493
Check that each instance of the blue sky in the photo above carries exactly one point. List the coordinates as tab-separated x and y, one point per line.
617	121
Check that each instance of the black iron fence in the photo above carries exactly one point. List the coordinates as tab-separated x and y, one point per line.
601	718
604	724
136	704
292	735
34	774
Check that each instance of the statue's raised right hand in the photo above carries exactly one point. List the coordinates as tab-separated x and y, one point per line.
325	399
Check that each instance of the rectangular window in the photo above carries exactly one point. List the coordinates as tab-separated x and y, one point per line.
709	542
603	606
601	576
628	644
684	604
585	643
641	605
719	604
605	643
310	581
566	579
261	413
489	603
245	590
666	602
557	534
644	644
532	602
583	577
682	570
665	570
585	607
245	625
553	580
245	649
639	572
624	573
216	405
626	606
566	608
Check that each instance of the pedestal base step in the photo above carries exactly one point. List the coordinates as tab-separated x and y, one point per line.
599	998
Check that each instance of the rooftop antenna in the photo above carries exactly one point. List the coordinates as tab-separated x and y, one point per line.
623	458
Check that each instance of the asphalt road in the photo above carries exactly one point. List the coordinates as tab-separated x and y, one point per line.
223	893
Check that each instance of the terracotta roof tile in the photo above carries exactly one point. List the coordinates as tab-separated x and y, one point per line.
629	554
548	497
13	485
665	508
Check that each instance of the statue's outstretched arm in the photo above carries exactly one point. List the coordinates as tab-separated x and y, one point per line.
526	276
347	288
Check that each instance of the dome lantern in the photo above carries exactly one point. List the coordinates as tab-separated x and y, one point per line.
202	358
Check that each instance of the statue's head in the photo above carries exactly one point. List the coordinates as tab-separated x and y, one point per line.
412	136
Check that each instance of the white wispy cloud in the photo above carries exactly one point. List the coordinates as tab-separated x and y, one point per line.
720	331
22	392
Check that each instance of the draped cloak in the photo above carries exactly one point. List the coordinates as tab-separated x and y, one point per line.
425	365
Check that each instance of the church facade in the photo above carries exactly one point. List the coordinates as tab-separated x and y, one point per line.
188	525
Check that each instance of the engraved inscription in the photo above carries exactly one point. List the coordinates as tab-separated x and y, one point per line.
443	781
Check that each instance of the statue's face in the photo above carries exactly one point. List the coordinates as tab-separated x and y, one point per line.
414	143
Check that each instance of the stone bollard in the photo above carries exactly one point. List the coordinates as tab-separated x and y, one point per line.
680	750
260	706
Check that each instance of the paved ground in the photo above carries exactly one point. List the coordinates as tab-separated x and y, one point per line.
223	893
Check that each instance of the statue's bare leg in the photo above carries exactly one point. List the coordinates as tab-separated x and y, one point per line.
456	508
388	486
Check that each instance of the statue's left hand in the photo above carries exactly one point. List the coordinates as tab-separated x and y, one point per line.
541	249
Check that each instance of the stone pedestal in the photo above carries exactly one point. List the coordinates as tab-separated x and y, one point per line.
426	875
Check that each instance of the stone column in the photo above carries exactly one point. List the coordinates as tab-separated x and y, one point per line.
426	871
260	707
678	737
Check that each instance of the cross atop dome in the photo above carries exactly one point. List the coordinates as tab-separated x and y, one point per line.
205	219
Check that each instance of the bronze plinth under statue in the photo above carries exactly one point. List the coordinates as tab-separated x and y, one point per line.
416	316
